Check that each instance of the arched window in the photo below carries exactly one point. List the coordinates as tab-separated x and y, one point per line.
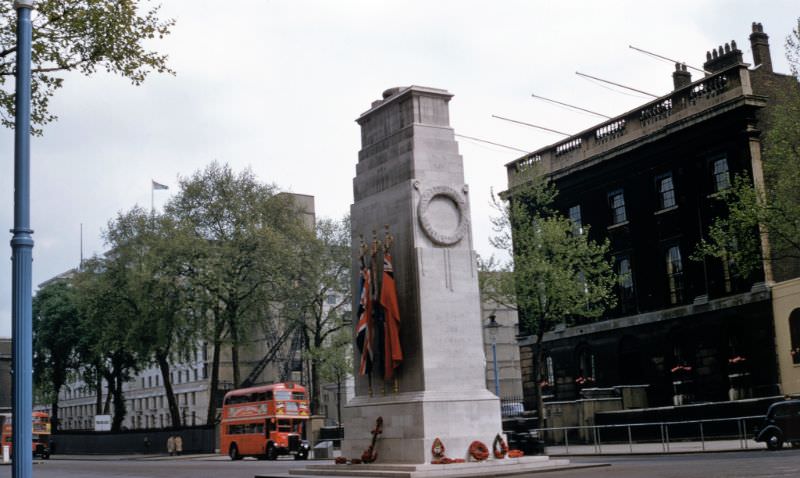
794	333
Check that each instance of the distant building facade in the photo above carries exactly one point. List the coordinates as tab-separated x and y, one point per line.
500	341
646	181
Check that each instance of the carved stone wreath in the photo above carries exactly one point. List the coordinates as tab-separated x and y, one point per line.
442	238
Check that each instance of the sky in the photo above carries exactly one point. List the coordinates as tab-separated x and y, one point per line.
276	86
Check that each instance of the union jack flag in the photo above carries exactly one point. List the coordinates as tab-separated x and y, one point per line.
364	325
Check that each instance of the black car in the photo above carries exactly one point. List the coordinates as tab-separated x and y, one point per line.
782	424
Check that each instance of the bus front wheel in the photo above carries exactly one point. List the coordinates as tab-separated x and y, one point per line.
234	452
272	452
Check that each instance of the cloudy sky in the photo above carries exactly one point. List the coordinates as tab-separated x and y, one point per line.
276	86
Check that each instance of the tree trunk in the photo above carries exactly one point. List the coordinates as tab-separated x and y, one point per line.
163	365
119	404
315	388
54	414
212	389
234	331
537	375
107	405
98	404
339	401
58	383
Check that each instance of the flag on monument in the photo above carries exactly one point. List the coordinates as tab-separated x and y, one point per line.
157	186
392	350
364	325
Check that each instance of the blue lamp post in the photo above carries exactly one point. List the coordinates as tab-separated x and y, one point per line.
21	257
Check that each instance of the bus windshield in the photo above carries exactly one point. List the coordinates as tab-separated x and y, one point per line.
287	425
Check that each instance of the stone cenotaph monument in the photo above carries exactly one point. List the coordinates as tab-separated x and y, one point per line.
411	233
410	183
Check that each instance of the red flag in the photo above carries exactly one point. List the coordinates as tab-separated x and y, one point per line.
364	326
393	353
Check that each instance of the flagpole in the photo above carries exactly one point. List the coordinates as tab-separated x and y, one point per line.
362	256
152	192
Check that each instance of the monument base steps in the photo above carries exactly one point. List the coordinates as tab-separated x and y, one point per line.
489	468
413	420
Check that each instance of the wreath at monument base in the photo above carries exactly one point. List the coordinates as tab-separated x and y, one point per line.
478	451
515	453
439	458
499	447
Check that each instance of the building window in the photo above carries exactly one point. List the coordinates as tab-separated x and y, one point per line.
625	283
794	333
575	217
722	177
666	191
675	275
586	367
616	200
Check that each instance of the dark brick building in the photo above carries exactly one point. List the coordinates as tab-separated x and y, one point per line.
646	180
5	375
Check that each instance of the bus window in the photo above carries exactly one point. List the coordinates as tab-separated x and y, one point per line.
288	425
283	395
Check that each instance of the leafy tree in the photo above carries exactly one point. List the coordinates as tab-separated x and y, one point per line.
555	275
244	233
154	249
56	326
773	209
335	364
320	301
82	36
108	312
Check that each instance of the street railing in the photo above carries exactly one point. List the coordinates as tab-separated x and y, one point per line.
655	437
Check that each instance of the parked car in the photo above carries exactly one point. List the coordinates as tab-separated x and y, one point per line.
781	425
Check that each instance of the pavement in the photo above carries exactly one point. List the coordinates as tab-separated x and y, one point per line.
712	446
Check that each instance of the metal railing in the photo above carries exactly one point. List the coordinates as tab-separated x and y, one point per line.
655	437
511	406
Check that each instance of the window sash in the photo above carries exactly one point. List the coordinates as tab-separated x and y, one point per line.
666	190
722	178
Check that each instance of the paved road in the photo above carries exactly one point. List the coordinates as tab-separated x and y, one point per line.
752	464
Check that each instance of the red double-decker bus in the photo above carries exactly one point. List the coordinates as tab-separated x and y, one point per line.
40	433
265	422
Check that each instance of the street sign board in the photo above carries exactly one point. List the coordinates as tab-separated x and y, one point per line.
102	423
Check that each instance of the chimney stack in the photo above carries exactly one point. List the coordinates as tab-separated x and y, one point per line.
759	42
722	58
681	77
